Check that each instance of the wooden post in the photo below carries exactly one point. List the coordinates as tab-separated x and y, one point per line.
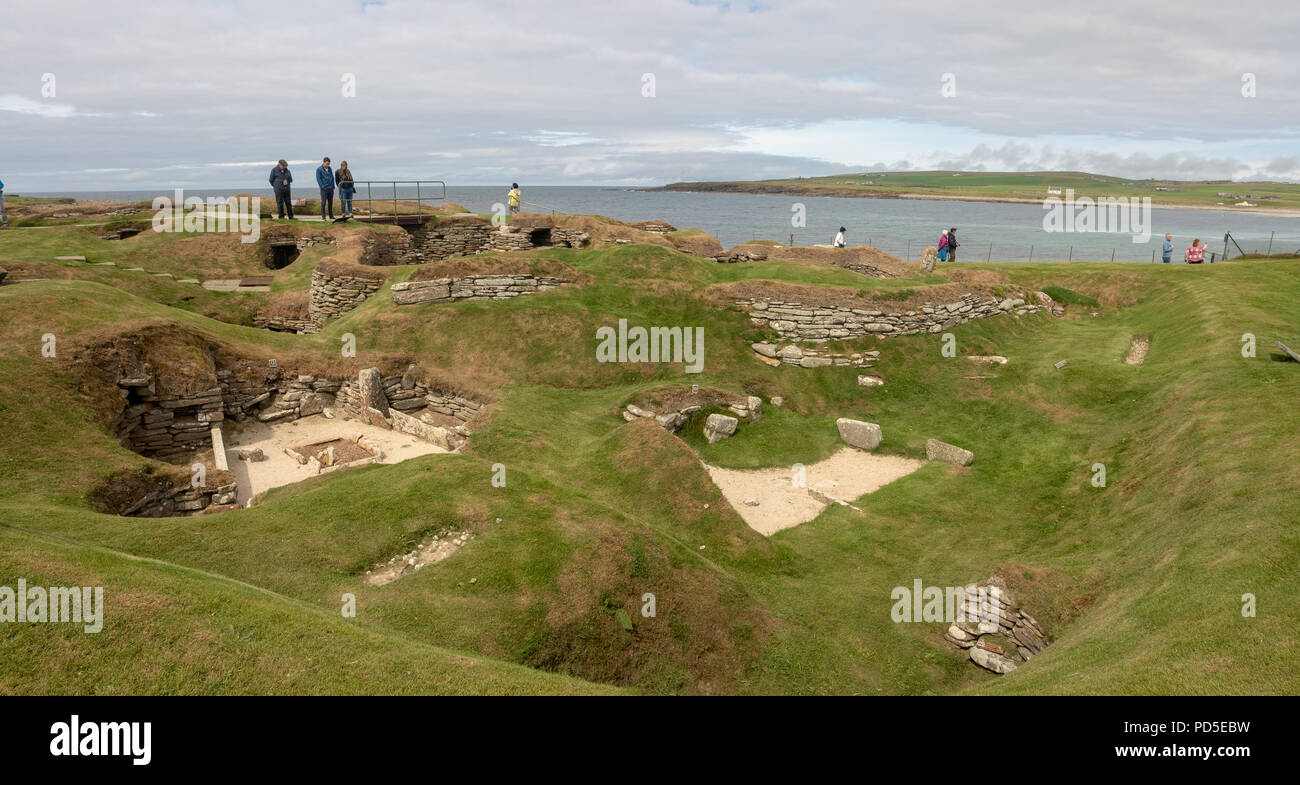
1112	254
1031	253
1226	235
792	239
1071	259
1153	255
1270	243
990	253
909	251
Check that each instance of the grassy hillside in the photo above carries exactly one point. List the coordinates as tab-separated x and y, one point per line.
1030	186
1139	583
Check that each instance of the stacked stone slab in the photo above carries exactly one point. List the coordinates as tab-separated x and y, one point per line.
807	357
166	425
472	287
335	293
996	633
286	324
184	501
811	321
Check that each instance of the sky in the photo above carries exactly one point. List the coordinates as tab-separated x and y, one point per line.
642	92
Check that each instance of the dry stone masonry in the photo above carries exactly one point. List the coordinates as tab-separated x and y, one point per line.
472	287
807	321
334	292
996	633
463	235
804	357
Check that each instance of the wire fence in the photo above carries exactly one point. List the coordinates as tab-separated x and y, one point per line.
974	249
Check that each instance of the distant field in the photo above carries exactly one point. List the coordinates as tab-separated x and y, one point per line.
995	186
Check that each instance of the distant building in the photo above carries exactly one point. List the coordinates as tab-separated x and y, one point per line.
1054	190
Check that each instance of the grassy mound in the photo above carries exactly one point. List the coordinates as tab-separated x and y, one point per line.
1139	581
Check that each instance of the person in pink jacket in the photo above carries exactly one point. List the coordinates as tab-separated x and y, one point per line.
1196	253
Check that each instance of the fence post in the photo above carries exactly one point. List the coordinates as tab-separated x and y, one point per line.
791	239
1031	253
908	257
1270	243
990	253
1071	259
1112	254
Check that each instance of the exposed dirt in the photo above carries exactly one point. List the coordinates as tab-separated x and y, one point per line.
257	477
1137	350
782	504
431	551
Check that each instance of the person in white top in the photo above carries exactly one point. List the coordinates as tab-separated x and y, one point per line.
839	238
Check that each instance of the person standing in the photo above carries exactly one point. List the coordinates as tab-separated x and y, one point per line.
1167	250
840	242
4	218
512	198
325	182
952	244
942	249
281	177
347	187
1196	253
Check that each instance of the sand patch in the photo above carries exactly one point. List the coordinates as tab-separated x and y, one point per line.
256	477
846	475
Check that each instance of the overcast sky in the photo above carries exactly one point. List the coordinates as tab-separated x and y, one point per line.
552	93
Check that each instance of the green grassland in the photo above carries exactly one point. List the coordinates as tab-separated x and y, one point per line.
1033	186
1139	583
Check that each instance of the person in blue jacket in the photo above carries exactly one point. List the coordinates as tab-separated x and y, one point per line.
280	179
325	181
4	219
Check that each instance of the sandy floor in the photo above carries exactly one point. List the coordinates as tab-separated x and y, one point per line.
278	469
846	475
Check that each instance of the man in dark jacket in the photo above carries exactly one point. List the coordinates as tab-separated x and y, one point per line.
280	179
952	244
325	182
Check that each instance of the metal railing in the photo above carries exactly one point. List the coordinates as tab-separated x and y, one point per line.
419	199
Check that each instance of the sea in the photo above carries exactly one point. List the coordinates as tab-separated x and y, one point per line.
987	231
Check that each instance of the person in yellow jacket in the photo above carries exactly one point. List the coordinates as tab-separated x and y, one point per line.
513	199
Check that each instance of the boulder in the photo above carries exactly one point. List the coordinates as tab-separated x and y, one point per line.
856	433
997	663
718	427
371	386
936	450
755	406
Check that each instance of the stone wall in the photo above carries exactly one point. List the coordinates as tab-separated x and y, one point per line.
286	324
463	236
164	426
334	292
810	321
472	287
184	501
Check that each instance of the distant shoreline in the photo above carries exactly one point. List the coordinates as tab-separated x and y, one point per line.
763	190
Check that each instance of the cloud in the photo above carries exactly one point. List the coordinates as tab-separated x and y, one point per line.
552	92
